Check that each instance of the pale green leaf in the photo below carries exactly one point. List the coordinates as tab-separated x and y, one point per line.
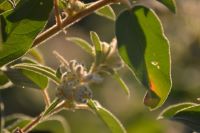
110	120
170	4
107	12
121	83
82	43
43	70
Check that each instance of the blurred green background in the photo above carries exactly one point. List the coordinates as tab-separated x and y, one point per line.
182	30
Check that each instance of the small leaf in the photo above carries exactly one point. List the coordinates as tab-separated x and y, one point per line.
51	107
95	41
26	78
59	72
82	43
3	78
16	120
43	70
35	53
107	12
97	45
19	27
110	120
144	47
170	4
186	113
121	82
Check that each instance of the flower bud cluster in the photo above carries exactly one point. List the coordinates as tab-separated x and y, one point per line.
71	7
110	59
73	86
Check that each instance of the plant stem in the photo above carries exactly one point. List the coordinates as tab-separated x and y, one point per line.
57	15
71	20
32	124
46	97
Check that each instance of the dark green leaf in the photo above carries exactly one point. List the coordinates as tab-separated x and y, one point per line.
36	68
107	12
26	78
169	112
170	4
186	113
82	43
144	47
110	120
3	78
19	27
59	72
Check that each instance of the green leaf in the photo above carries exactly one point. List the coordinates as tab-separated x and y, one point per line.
170	4
20	27
82	43
52	106
110	120
107	12
122	84
188	114
16	120
35	53
5	5
144	47
55	124
97	45
26	78
95	41
43	70
169	112
3	78
59	72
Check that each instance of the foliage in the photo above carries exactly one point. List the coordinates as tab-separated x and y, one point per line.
139	45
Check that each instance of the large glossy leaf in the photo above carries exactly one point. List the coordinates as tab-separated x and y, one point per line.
19	27
186	113
110	120
170	4
107	12
144	47
26	78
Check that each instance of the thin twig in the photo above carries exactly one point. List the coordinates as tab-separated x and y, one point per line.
57	15
71	20
46	97
32	124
